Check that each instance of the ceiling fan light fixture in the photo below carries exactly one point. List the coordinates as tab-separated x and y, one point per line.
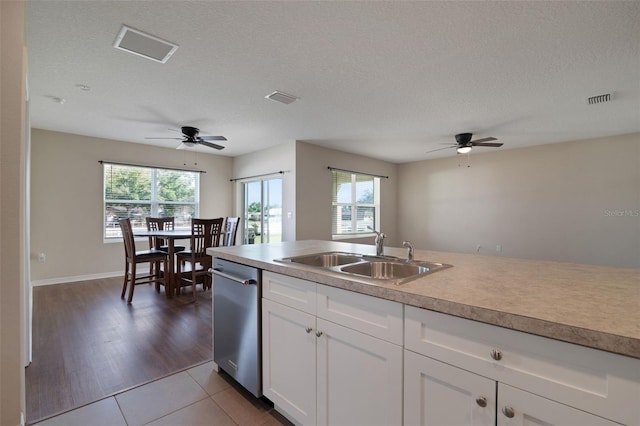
464	149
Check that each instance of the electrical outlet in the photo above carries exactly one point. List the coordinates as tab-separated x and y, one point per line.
42	257
499	248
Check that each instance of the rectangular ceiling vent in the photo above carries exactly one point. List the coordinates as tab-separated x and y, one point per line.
145	45
599	99
281	97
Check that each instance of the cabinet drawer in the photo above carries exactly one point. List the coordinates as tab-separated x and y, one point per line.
292	292
598	382
370	315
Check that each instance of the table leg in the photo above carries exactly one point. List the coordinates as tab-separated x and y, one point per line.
169	282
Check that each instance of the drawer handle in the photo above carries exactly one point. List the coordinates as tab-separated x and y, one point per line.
496	354
481	401
318	333
508	412
308	330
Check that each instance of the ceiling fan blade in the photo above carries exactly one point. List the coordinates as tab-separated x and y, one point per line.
494	145
213	138
177	139
440	149
211	145
489	139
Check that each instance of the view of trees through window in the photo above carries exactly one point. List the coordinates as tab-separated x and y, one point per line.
262	225
354	203
138	192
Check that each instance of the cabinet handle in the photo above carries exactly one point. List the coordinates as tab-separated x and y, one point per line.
508	412
308	330
481	401
496	354
318	333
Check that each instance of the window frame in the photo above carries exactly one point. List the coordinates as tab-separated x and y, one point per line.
354	204
153	202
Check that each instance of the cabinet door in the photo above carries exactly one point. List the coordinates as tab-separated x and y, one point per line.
289	360
518	408
359	378
436	393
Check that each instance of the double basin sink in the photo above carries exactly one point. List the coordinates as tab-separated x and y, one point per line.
383	268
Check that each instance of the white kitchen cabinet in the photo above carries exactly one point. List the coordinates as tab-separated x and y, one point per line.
436	393
519	408
289	360
440	394
319	371
561	382
359	378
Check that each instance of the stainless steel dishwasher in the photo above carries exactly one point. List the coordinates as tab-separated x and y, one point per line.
237	341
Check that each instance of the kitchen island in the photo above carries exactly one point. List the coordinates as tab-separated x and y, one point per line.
594	306
494	357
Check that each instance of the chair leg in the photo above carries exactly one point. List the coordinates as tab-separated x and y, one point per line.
126	279
193	281
157	273
133	282
165	280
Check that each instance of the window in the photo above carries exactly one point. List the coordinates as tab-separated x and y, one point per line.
262	225
137	192
355	204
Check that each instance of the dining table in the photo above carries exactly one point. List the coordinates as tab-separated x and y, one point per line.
170	236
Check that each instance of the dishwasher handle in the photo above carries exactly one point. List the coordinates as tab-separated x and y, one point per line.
248	281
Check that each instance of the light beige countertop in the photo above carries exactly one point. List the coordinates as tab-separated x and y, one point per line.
594	306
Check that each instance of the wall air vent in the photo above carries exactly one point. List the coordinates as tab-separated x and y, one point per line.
145	45
599	99
281	97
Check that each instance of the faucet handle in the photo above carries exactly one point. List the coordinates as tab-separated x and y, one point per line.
409	246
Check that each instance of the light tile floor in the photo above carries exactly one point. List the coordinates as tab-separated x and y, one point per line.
198	396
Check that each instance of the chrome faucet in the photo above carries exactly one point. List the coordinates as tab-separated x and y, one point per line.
379	241
409	247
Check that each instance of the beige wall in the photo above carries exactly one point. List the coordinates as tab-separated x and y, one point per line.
66	200
314	192
12	151
572	202
267	161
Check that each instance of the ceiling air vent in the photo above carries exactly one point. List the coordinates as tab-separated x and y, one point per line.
281	97
145	45
599	99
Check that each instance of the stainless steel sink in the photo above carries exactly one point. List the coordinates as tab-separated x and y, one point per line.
324	260
387	269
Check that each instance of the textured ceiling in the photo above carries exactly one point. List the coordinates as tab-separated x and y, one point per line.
390	80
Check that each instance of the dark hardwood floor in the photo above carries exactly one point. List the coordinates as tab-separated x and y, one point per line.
88	343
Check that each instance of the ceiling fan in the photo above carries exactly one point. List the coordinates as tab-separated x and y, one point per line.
191	137
464	143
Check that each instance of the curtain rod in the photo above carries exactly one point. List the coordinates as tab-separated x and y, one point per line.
279	172
358	173
149	167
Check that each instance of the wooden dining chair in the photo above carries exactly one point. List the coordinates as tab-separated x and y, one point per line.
159	243
204	233
161	224
230	231
133	257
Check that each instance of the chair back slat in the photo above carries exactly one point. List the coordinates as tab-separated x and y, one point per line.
230	231
205	233
127	236
158	224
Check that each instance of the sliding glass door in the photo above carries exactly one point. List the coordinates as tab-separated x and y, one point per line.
262	211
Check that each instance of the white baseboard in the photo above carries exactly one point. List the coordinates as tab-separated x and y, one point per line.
75	278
